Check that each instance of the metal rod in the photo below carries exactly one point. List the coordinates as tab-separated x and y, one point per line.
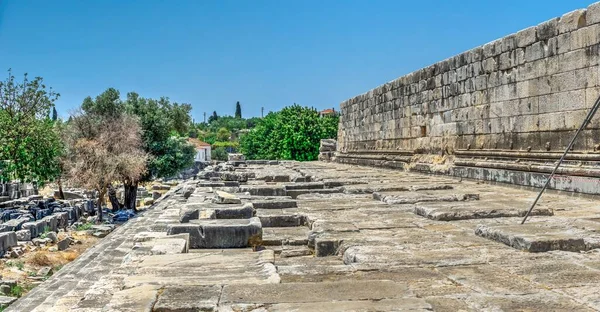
588	118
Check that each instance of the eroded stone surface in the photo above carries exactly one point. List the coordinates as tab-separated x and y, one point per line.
336	252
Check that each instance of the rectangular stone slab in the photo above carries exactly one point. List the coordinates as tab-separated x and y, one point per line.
297	192
274	204
305	186
313	292
263	190
534	237
475	210
223	233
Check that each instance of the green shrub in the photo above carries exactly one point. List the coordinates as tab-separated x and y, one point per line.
294	133
219	153
84	227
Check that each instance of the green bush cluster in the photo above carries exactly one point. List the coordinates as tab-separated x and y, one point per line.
294	133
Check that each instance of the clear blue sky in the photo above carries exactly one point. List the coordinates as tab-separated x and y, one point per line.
261	53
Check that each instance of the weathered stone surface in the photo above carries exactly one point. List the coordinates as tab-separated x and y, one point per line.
23	235
274	204
225	198
12	225
263	190
297	192
36	227
7	240
52	236
190	298
228	233
533	237
313	292
368	255
234	176
501	112
187	214
188	190
464	211
64	244
280	218
5	301
304	186
244	212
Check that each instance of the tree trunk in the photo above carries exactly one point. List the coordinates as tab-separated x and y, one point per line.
112	196
100	197
130	194
61	195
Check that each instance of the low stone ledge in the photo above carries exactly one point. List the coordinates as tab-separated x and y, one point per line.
534	237
225	233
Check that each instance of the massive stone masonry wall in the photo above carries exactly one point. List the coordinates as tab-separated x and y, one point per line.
526	91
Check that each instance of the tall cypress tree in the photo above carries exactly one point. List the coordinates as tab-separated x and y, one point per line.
54	114
238	110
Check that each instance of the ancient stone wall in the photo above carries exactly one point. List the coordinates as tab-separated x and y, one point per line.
522	95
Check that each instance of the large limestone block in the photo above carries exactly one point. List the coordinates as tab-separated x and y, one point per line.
264	190
12	225
275	204
36	227
535	237
224	233
244	212
7	240
51	222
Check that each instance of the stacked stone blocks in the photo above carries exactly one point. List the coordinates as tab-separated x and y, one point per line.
528	90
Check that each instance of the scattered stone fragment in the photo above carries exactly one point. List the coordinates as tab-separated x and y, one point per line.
52	236
23	235
64	244
225	198
44	271
148	201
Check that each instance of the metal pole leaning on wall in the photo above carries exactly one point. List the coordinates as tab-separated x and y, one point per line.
587	120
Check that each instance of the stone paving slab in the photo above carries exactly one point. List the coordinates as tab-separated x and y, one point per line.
475	210
536	237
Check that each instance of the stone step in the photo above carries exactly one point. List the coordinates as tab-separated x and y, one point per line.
542	236
297	192
281	218
305	186
446	211
263	190
279	236
274	204
223	233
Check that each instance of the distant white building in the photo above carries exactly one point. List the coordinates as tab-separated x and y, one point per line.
202	150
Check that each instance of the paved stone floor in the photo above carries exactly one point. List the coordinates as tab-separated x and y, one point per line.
346	238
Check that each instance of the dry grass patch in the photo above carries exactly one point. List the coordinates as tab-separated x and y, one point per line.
39	259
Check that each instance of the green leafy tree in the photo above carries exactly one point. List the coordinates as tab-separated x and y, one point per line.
162	139
238	110
29	144
294	133
179	115
106	146
223	134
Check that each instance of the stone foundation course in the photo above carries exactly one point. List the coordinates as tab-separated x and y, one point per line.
503	112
